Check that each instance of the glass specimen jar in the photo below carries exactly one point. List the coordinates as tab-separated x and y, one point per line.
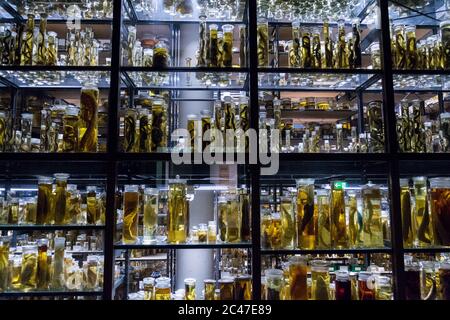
44	200
366	286
13	211
375	55
406	210
400	47
305	214
162	288
295	46
212	232
233	219
26	55
73	205
298	270
206	119
323	219
150	214
243	287
222	209
306	56
131	45
372	235
440	210
145	134
287	222
242	46
339	233
149	284
91	201
245	214
58	264
92	276
189	289
444	27
4	262
444	280
60	197
384	288
70	129
52	50
375	118
26	126
226	287
28	272
320	276
342	283
411	47
262	35
43	268
214	51
3	131
354	219
428	281
445	129
160	125
130	214
177	219
194	132
274	285
412	281
274	232
88	127
422	224
227	47
209	289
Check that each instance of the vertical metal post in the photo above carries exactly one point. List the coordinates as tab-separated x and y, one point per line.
113	133
392	148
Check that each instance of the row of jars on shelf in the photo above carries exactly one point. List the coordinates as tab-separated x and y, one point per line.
56	203
30	45
325	219
35	266
232	224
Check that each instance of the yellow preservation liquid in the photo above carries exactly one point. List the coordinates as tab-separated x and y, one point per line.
88	130
177	221
130	214
372	235
305	214
60	197
339	239
421	215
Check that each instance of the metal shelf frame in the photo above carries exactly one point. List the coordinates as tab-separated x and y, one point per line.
112	158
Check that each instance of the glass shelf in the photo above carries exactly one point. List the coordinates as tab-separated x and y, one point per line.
141	245
55	79
421	83
188	80
426	14
327	251
50	227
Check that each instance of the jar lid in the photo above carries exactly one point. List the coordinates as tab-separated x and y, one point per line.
273	273
151	191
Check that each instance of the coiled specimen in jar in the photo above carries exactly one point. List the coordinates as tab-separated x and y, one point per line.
4	262
178	212
60	197
26	57
3	139
130	214
305	214
70	127
88	119
400	47
440	210
262	35
338	220
406	209
376	127
159	125
29	268
422	218
130	141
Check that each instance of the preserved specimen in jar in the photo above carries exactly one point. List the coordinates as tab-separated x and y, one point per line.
130	214
411	48
423	227
372	235
412	282
263	43
70	128
444	281
150	214
43	269
343	289
189	289
58	264
274	284
305	214
400	47
440	210
297	278
159	125
227	57
210	287
162	288
320	280
213	45
91	201
242	287
177	219
375	118
4	263
226	287
26	56
338	221
287	222
44	199
60	197
88	128
306	50
366	286
323	220
149	287
29	267
295	52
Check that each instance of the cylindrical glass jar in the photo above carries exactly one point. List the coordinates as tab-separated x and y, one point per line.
372	235
440	210
422	219
44	199
227	53
60	197
339	233
202	233
445	39
274	285
298	270
428	280
412	281
213	45
189	289
29	267
323	219
70	128
206	125
130	214
406	210
444	281
366	286
149	287
375	119
91	202
411	47
226	287
384	288
161	56
209	288
88	128
287	222
43	268
159	125
193	129
177	219
243	287
162	288
375	55
262	35
305	214
342	283
400	47
4	263
150	214
233	220
58	264
320	276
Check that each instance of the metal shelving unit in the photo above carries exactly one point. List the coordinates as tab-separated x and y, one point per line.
120	79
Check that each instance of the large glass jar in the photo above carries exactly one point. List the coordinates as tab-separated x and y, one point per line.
60	197
428	280
226	287
422	224
130	214
263	42
91	201
88	128
227	47
233	219
400	47
375	118
177	219
444	281
92	273
160	126
150	214
323	219
343	286
366	286
445	39
412	281
274	285
4	263
58	264
320	276
44	200
161	56
440	210
243	287
406	210
70	128
287	222
162	288
305	214
339	235
372	235
298	270
43	268
209	289
445	129
29	267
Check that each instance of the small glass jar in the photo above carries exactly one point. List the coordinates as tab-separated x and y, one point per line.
161	56
189	289
209	289
162	288
320	280
226	287
384	288
212	232
366	286
274	285
375	55
444	281
202	233
28	273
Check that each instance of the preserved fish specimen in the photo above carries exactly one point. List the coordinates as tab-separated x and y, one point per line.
400	47
162	288
440	210
227	57
210	287
149	287
189	289
4	263
70	128
29	267
328	45
320	280
287	222
26	56
234	219
372	235
316	56
243	288
422	219
60	197
306	50
263	43
384	289
445	39
213	45
295	58
44	200
145	130
43	272
244	208
131	131
297	278
177	219
274	284
40	54
356	38
242	46
73	205
323	220
222	211
91	201
150	214
412	281
305	214
444	281
159	125
92	276
411	47
130	214
206	125
366	286
343	289
88	129
337	212
203	44
428	281
52	50
406	209
376	127
342	54
58	264
226	287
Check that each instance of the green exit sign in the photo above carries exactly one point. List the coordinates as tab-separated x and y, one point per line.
340	185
